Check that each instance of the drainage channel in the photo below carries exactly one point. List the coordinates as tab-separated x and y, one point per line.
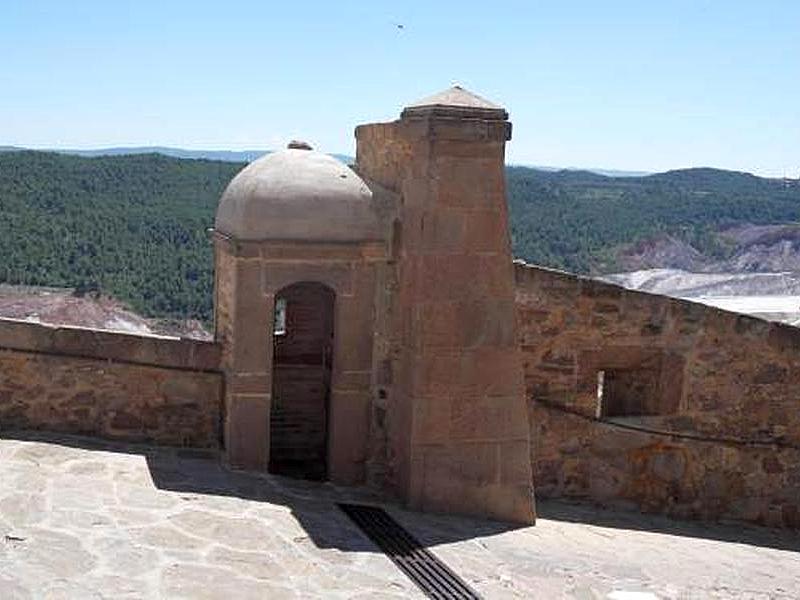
430	574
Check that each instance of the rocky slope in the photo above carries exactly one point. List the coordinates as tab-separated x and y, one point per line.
63	306
741	249
769	248
758	272
773	296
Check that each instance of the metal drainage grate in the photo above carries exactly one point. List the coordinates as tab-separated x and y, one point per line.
430	574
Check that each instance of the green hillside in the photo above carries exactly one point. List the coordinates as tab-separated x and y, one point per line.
576	220
135	226
132	226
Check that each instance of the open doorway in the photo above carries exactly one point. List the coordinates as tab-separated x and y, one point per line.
303	340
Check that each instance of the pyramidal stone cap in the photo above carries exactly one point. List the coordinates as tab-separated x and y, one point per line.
456	102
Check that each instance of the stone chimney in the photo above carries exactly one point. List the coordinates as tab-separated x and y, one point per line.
458	418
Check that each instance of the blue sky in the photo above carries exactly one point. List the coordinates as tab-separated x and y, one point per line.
642	85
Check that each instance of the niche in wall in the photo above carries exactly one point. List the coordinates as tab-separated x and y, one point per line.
632	381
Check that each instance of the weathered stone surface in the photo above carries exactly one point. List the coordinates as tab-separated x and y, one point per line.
247	431
717	379
247	286
186	541
457	392
273	197
110	346
110	399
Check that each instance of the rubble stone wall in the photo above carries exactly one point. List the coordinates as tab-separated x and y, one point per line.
718	433
111	385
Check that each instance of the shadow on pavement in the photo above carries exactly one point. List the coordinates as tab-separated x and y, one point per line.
734	532
314	504
200	472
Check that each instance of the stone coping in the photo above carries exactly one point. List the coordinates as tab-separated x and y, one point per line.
781	334
289	249
80	342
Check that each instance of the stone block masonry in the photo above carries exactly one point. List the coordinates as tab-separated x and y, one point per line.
455	415
659	404
110	385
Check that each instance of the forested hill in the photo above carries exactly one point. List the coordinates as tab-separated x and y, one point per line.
577	220
135	226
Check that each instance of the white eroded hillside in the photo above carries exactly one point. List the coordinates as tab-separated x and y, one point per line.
774	296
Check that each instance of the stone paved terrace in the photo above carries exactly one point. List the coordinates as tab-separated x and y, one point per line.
82	519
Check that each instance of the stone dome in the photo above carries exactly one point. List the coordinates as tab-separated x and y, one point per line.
297	194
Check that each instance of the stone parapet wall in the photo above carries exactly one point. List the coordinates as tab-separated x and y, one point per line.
615	465
715	392
112	385
162	351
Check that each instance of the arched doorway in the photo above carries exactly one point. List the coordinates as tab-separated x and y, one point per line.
303	352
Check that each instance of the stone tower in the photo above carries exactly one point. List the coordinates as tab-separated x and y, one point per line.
458	416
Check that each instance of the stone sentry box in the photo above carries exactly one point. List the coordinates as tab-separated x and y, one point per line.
414	246
295	216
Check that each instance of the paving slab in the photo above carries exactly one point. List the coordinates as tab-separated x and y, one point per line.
82	519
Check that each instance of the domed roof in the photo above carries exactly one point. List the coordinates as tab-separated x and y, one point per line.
297	194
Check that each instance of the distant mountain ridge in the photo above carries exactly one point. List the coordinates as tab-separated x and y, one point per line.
223	155
251	155
134	225
604	172
237	156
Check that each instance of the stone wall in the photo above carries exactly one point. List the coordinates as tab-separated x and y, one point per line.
698	416
112	385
